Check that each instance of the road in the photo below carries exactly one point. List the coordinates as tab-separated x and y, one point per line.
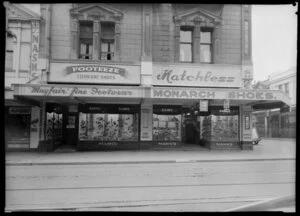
202	186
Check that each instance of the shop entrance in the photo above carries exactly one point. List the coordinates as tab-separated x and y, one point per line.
191	126
70	129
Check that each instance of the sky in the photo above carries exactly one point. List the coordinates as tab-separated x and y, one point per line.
274	39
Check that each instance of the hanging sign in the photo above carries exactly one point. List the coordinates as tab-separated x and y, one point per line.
203	105
226	107
226	104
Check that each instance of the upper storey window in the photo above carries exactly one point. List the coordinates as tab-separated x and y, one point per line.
107	41
96	31
206	46
86	40
197	36
9	54
186	44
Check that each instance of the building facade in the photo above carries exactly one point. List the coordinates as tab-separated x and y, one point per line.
136	76
278	122
23	62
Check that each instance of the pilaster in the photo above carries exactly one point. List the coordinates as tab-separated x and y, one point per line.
147	33
75	37
17	55
96	24
177	40
196	38
247	66
117	56
216	43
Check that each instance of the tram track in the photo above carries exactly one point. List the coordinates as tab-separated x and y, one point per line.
151	186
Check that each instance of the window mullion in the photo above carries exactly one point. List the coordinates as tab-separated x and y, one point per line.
96	39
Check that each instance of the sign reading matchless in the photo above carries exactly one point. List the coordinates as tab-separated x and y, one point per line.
206	75
94	74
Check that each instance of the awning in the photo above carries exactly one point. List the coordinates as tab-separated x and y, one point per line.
258	99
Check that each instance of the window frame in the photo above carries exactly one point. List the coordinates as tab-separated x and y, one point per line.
102	38
286	88
11	51
210	30
85	36
190	29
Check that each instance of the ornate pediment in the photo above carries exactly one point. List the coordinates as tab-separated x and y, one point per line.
96	11
198	15
19	12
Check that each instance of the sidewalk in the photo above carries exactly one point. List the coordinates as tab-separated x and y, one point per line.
265	150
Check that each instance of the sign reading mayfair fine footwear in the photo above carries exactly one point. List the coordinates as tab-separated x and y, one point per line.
82	91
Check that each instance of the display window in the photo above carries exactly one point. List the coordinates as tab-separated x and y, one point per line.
220	126
17	125
167	123
54	121
104	124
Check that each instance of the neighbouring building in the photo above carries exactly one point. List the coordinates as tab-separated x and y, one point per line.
23	63
137	76
278	122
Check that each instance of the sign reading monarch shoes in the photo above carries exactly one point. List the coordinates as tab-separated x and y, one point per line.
94	74
210	76
238	94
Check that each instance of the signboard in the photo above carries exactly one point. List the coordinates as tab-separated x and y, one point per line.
109	108
67	91
226	104
73	108
71	122
91	73
203	106
166	110
19	110
247	121
238	94
208	76
35	73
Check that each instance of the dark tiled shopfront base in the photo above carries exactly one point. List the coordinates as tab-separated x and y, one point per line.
107	145
49	146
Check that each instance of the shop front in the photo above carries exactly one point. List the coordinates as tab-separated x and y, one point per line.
17	127
215	118
21	123
134	117
86	117
108	126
